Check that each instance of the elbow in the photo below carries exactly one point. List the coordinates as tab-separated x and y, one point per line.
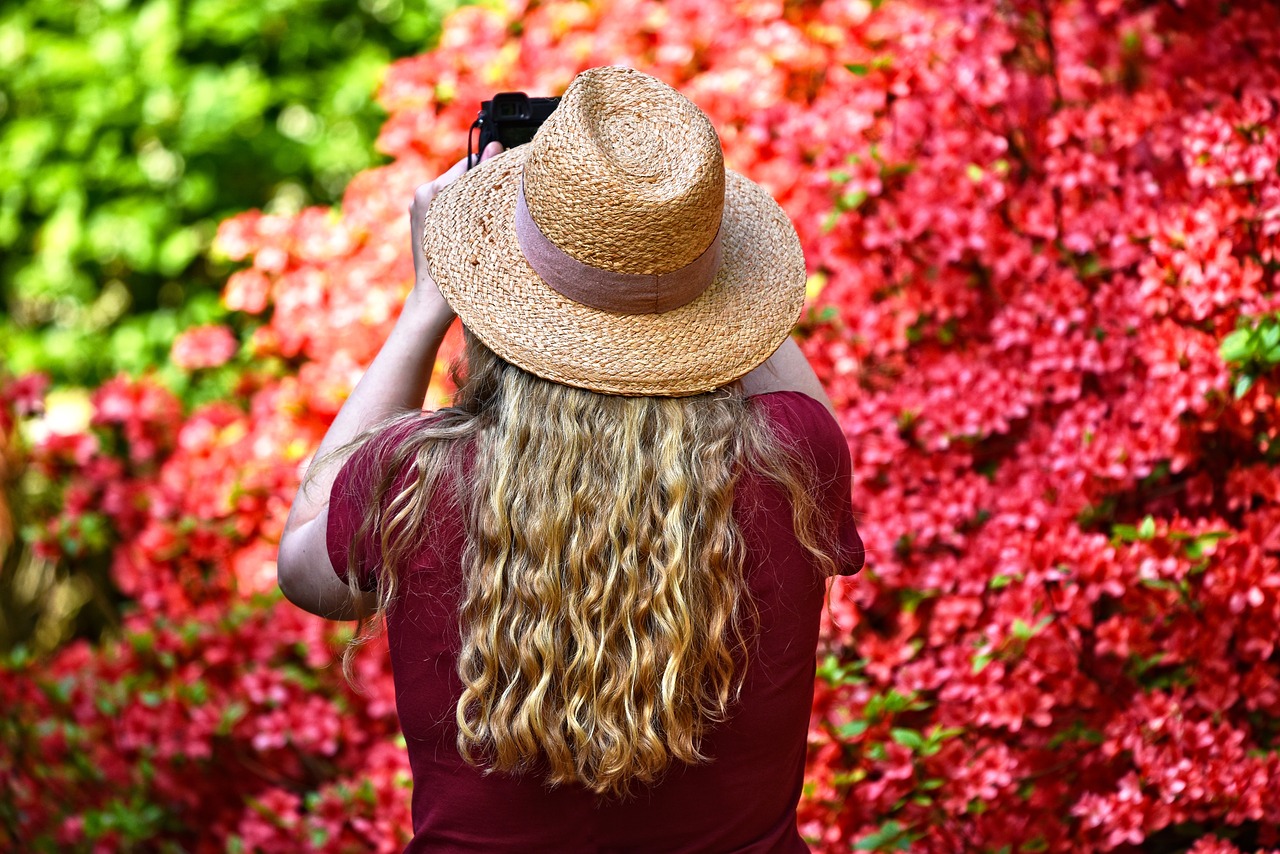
283	578
305	577
286	573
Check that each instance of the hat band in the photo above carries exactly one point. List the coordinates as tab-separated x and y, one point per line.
607	290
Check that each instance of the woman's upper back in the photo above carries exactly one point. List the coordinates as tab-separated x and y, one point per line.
744	800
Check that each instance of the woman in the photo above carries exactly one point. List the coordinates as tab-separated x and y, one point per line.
602	568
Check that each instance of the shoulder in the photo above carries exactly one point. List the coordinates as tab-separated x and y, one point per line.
801	421
386	439
372	458
356	489
790	404
806	426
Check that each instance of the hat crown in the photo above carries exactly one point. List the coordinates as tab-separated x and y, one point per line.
627	174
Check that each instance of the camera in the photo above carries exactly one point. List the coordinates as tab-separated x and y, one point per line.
511	118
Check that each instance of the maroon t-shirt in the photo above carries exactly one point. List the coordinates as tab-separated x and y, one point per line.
743	801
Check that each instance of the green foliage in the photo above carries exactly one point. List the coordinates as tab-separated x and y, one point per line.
891	836
1253	350
128	130
835	672
1144	531
1012	647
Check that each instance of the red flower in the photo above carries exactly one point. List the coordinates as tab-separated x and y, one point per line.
203	347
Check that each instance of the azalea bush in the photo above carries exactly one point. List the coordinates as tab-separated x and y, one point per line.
1042	239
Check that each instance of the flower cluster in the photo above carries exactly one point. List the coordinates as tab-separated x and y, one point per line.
1030	227
203	347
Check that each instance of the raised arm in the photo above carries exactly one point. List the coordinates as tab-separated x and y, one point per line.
396	381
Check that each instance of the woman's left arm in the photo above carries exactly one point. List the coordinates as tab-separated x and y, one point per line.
395	382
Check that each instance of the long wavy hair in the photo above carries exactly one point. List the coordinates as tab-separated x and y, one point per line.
606	623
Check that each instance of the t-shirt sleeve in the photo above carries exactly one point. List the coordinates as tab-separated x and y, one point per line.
820	438
349	498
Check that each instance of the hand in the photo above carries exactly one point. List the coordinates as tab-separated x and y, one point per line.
424	287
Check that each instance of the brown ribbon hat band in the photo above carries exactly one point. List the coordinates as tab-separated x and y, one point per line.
607	290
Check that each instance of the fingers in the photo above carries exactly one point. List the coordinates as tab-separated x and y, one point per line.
455	172
423	195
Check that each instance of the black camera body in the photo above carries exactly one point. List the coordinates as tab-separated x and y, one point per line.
511	118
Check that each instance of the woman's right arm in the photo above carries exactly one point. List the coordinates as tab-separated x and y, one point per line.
787	370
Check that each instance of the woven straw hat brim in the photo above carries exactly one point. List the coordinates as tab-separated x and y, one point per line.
733	326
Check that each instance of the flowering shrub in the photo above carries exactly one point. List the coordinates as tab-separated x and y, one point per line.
1043	240
203	347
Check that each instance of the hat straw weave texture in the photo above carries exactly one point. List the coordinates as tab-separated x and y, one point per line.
627	178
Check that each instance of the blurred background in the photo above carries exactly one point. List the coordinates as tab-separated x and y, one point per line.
1043	241
128	132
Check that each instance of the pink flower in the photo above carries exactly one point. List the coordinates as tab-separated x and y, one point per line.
203	347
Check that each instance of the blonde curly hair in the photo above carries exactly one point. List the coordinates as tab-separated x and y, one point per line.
605	622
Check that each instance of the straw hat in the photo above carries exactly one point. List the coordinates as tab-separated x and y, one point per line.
615	252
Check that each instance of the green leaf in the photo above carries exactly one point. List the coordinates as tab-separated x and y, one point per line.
888	837
835	672
179	249
849	778
851	200
198	692
907	738
1237	347
1243	383
230	716
852	729
896	701
1124	533
1023	631
1197	548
